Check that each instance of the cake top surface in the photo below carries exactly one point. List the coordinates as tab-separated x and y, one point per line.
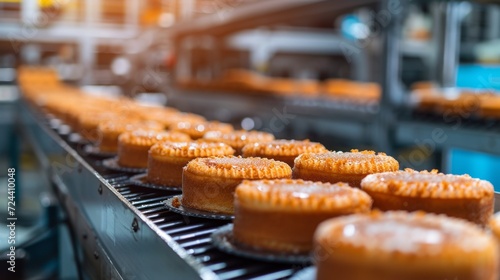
94	118
299	195
411	183
238	167
201	127
120	126
149	137
282	147
169	118
191	149
354	162
239	138
404	233
185	117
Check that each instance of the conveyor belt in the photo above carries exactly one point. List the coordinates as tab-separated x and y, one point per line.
191	234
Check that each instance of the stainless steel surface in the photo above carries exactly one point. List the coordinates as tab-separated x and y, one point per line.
449	46
392	93
129	233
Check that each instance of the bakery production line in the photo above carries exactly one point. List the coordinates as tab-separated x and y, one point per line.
100	224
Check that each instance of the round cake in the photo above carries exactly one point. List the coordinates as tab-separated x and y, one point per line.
197	129
282	150
166	159
238	138
400	245
208	184
110	130
297	206
454	195
133	146
333	167
88	123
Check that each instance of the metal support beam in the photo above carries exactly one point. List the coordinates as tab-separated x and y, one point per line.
449	45
392	94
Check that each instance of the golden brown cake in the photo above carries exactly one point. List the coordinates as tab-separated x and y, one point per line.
169	118
166	159
282	215
133	146
352	90
88	123
197	129
453	195
489	106
208	184
109	131
282	150
400	245
333	167
238	138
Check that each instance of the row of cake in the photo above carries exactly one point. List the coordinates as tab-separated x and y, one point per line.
241	80
456	102
325	209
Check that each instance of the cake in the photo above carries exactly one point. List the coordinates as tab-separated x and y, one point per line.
333	167
166	159
208	184
87	124
282	150
282	215
238	138
454	195
133	146
197	129
169	118
352	90
400	245
489	106
110	130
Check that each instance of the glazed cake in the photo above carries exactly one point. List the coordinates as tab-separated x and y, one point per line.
239	138
333	167
110	130
400	245
454	195
208	184
282	215
197	129
166	159
133	146
282	150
